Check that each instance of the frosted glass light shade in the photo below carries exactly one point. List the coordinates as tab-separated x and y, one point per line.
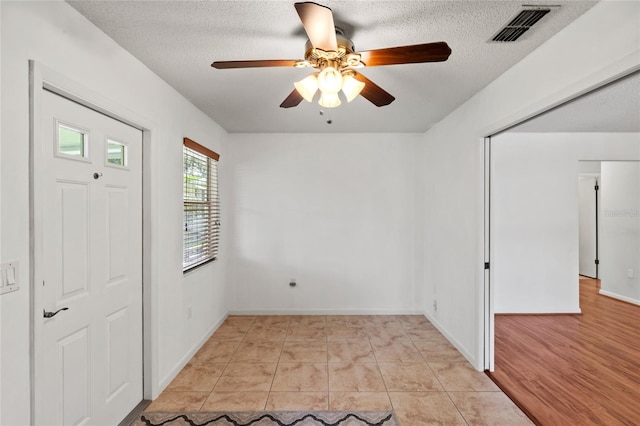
329	81
329	100
307	87
351	87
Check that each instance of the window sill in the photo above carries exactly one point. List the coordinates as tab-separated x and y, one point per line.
194	267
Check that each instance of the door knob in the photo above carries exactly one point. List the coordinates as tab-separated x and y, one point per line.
52	314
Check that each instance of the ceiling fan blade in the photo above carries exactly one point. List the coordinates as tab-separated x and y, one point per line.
292	100
222	65
374	93
317	21
414	54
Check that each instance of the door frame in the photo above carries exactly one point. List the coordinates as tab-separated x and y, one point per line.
42	78
614	71
595	202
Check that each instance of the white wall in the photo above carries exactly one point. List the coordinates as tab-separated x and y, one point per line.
535	210
454	226
56	36
620	230
334	211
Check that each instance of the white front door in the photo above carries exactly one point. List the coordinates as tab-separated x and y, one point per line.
88	357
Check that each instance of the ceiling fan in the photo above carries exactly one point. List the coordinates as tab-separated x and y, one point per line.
336	61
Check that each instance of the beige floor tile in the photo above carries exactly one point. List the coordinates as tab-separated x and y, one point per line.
413	320
422	333
241	322
216	352
439	352
388	333
246	377
425	408
350	351
383	320
345	332
488	409
304	352
229	333
308	321
293	401
266	332
345	320
197	377
355	377
460	376
235	401
178	401
258	351
256	363
409	377
434	339
304	334
399	351
277	321
301	376
363	401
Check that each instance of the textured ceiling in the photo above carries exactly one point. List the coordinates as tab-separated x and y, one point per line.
178	40
612	108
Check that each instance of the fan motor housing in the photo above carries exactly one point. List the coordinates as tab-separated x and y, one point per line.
344	57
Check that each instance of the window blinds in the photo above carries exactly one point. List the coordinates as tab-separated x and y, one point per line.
201	205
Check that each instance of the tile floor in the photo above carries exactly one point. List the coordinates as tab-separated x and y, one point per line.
399	362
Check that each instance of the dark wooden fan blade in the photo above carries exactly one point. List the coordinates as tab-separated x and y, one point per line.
292	100
318	23
414	54
374	93
222	65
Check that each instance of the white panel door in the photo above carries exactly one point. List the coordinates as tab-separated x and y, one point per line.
88	357
587	226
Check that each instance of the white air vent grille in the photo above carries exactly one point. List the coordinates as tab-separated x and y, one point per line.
520	24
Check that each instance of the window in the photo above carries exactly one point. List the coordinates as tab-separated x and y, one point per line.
116	153
72	142
201	205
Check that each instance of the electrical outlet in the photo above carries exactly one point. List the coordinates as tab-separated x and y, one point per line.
629	273
189	312
435	305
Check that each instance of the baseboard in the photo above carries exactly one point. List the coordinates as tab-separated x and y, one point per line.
325	312
453	341
576	311
164	382
619	297
537	314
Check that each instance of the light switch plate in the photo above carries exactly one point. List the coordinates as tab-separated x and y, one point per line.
9	277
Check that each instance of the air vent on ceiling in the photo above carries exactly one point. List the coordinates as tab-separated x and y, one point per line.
521	23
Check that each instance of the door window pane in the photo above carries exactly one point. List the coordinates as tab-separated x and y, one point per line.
116	153
72	141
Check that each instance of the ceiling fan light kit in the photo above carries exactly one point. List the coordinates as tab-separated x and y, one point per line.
307	87
333	55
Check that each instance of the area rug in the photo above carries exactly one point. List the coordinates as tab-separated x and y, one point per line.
269	418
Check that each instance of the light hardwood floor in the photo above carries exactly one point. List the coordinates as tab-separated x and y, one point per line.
573	369
272	363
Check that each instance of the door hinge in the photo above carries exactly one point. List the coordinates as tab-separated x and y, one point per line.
597	261
597	187
486	265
